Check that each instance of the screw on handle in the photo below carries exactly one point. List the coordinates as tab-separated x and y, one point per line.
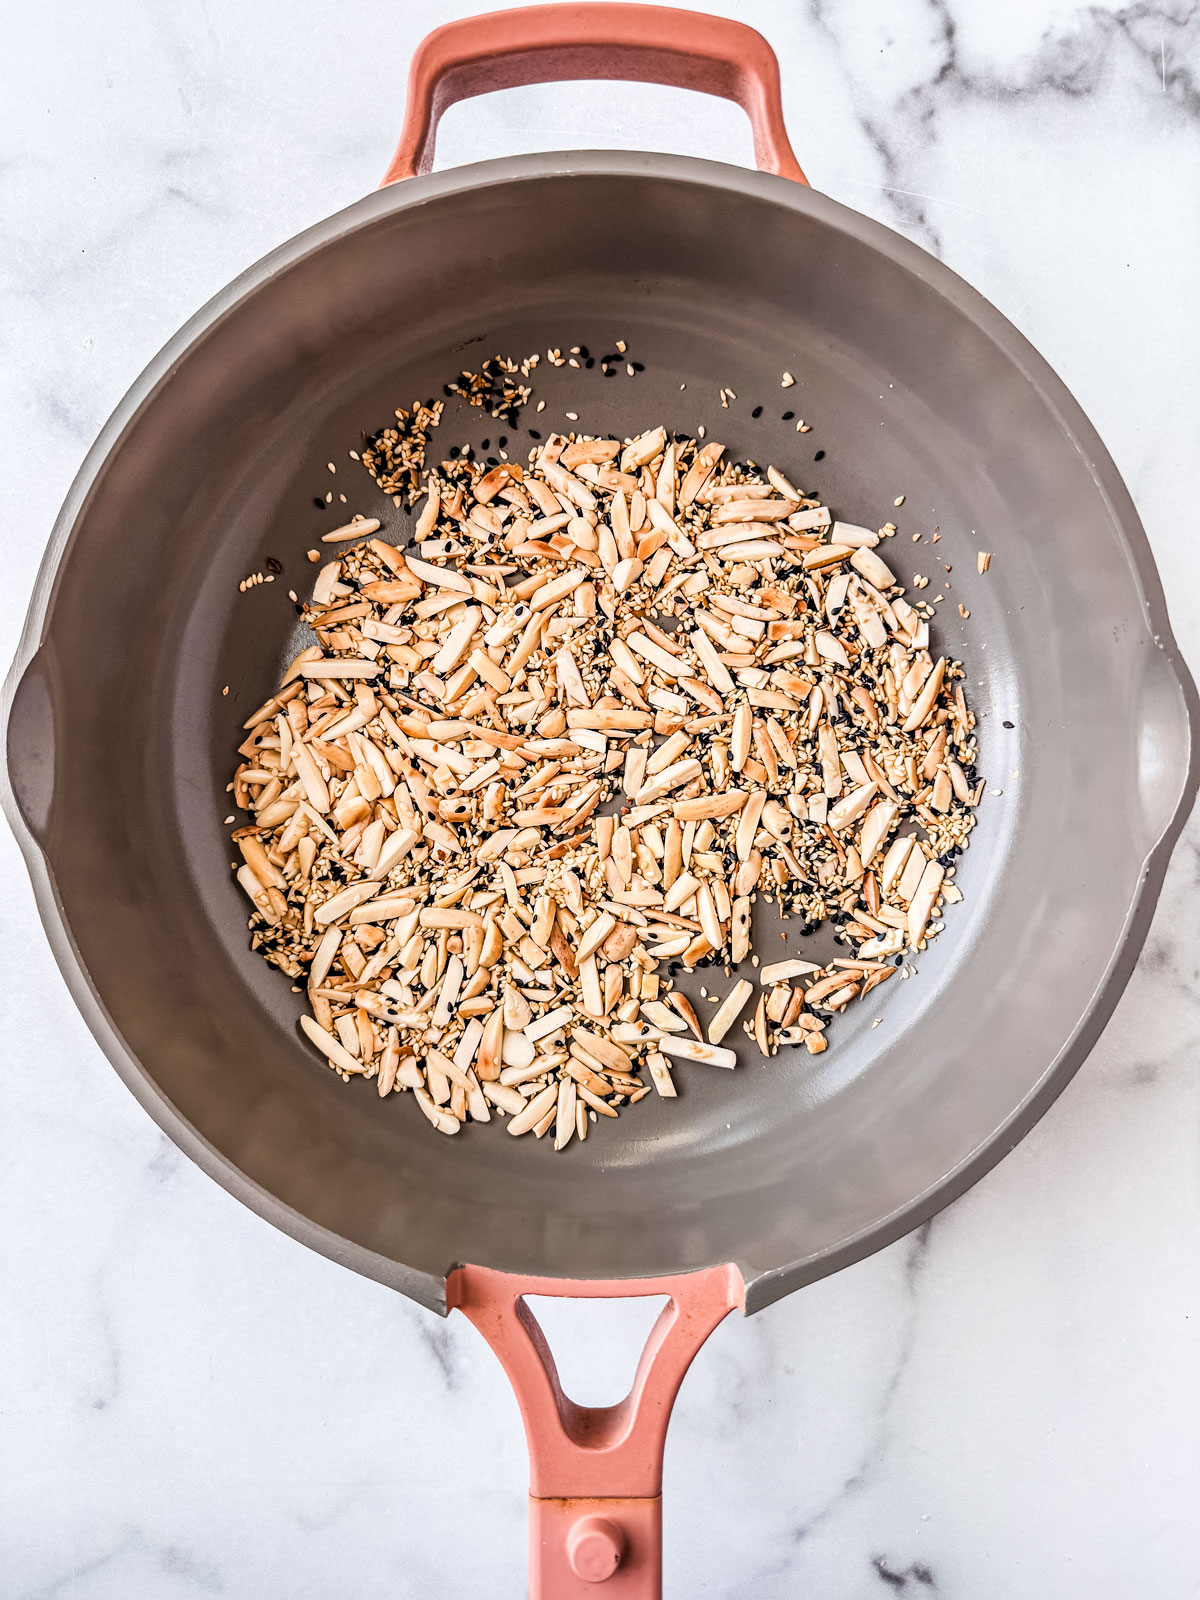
594	39
595	1472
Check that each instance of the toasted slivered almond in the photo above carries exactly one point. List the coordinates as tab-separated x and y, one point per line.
352	530
714	667
687	1011
491	1048
758	510
826	555
709	805
729	1010
342	667
654	654
748	820
660	1075
345	901
449	917
812	517
595	935
506	1097
851	806
604	1050
566	1125
609	719
741	736
558	589
874	569
534	1111
332	1049
581	1068
692	1050
442	1120
428	843
922	901
877	824
784	971
698	474
849	533
924	702
751	550
643	449
663	1016
439	577
595	1101
672	777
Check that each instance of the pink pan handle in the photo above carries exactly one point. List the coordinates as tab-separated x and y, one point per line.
555	43
595	1472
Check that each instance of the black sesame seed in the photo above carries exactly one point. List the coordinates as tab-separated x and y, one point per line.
584	353
590	362
1008	724
820	456
637	366
493	461
486	445
757	412
502	441
787	416
319	503
273	565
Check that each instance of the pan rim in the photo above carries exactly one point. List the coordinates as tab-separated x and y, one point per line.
767	1285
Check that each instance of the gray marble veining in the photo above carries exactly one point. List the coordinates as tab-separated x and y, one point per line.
1005	1405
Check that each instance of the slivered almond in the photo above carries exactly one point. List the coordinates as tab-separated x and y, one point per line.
691	1050
851	806
431	851
729	1010
710	806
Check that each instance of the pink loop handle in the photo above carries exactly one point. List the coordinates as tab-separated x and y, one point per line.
595	1472
595	39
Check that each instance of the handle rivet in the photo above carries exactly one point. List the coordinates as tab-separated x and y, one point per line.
594	1548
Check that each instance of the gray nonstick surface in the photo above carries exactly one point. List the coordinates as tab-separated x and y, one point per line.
120	742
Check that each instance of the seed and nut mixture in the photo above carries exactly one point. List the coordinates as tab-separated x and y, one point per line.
606	701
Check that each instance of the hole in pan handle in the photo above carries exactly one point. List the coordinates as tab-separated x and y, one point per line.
556	43
595	1472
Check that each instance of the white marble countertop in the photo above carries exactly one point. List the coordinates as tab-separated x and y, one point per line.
1005	1406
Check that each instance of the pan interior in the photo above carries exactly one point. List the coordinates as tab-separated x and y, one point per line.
710	283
